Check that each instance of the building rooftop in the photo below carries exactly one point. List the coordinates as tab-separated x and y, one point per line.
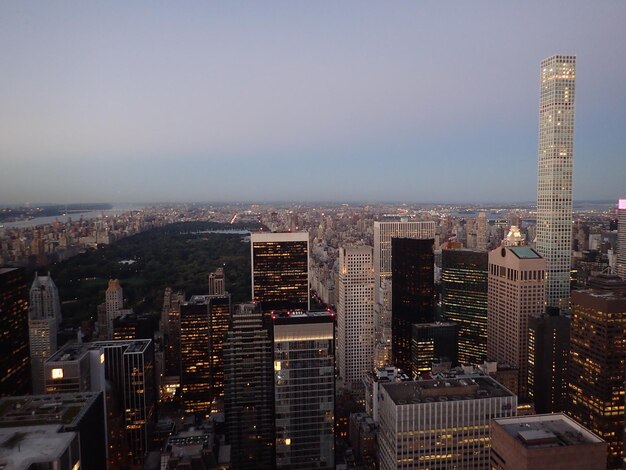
20	448
471	387
549	430
524	252
607	281
386	374
31	410
72	351
301	316
435	324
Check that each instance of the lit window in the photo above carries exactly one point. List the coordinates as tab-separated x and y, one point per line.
57	373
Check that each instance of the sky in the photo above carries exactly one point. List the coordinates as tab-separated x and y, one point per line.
411	101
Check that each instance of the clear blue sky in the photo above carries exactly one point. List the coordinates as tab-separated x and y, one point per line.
215	101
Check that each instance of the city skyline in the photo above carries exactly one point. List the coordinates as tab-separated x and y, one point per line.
300	102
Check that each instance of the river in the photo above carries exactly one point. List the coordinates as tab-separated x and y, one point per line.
118	209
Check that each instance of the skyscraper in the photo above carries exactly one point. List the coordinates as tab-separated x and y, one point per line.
464	298
280	270
216	282
481	232
515	293
304	390
129	368
383	233
113	307
249	391
596	364
204	322
382	324
170	325
195	355
44	299
554	183
14	353
621	239
219	319
355	314
548	351
44	316
413	294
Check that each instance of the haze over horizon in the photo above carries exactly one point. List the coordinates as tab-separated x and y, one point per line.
306	102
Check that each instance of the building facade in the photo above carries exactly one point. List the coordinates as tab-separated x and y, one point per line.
280	270
413	294
355	314
217	282
81	413
304	389
219	320
195	355
554	182
551	441
464	278
383	233
481	232
170	325
14	350
124	370
621	239
548	352
440	424
249	391
596	362
433	342
44	318
516	292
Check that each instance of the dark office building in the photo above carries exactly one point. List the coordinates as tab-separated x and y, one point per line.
548	351
203	324
129	367
195	354
135	326
280	270
170	323
413	294
433	342
14	350
464	300
249	392
596	361
219	319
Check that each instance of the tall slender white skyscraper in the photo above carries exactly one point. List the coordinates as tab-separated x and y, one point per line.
621	239
355	314
554	183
